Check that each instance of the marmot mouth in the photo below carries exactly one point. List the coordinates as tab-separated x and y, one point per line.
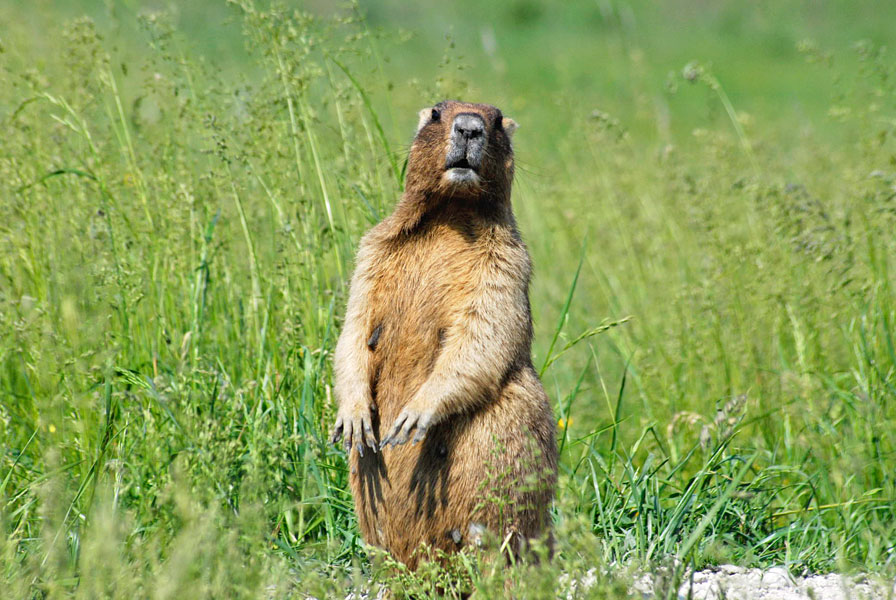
463	163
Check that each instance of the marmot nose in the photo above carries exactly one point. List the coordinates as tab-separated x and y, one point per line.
469	126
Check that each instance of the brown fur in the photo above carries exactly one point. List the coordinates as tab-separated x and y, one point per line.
437	343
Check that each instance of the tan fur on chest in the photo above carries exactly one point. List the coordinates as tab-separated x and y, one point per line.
424	279
417	290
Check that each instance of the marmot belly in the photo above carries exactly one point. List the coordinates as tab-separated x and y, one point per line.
489	473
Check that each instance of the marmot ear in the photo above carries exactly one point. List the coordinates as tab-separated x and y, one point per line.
425	115
509	126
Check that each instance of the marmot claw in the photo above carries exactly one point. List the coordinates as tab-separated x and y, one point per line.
406	421
354	430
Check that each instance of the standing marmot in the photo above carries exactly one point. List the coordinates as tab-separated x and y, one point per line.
436	345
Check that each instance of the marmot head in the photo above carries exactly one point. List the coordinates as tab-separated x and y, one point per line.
462	150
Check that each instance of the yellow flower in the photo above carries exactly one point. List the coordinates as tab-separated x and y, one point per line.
564	423
52	428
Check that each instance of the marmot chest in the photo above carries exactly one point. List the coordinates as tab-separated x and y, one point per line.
417	290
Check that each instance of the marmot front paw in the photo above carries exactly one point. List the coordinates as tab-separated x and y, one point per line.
409	418
354	426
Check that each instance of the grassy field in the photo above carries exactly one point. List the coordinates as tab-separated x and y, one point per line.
708	191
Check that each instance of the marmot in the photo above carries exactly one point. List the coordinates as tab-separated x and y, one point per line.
436	349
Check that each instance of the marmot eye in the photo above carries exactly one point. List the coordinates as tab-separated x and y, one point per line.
436	115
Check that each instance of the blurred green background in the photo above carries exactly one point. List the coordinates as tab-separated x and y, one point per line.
564	58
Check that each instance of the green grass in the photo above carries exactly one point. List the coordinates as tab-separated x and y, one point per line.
711	218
